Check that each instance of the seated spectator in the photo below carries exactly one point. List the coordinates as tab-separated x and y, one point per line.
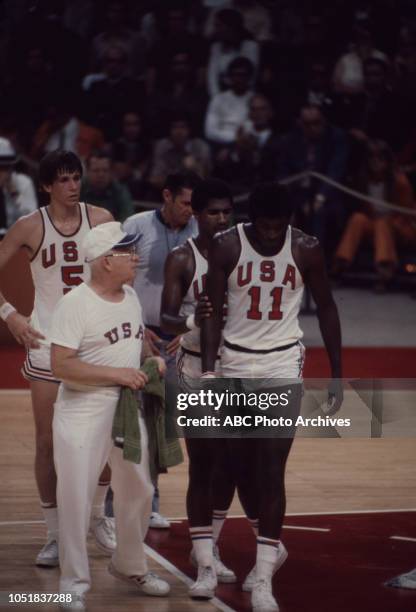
107	99
231	40
63	130
378	179
17	194
131	154
229	109
99	187
348	73
376	113
177	92
116	32
315	145
254	156
179	152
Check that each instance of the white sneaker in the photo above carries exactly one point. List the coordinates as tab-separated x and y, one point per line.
149	584
49	555
404	581
157	521
205	585
77	603
251	577
224	574
104	530
262	599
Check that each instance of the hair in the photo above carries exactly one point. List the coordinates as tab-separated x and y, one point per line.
241	63
57	162
181	180
98	154
270	200
209	189
179	116
232	19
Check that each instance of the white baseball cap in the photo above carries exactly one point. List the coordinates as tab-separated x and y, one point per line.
103	238
8	155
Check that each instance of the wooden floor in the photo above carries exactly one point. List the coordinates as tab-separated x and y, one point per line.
323	475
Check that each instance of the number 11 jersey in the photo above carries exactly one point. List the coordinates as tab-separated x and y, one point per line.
264	297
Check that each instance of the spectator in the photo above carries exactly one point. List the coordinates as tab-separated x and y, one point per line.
107	99
231	41
349	73
101	188
381	180
179	92
63	130
116	32
378	112
17	194
315	145
254	156
229	109
179	153
131	154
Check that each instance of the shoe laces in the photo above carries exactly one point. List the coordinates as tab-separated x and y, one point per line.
263	589
205	573
150	578
106	523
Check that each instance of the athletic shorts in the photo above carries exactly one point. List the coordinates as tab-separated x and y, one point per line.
286	364
189	367
37	365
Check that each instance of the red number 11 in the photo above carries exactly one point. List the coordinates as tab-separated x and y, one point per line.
275	313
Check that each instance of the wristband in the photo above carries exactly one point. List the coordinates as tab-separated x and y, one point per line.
6	310
190	322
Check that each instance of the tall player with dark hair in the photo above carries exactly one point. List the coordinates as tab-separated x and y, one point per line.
52	239
211	485
263	267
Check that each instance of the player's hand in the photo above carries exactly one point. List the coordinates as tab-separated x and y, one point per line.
173	345
335	396
161	365
129	377
153	340
203	310
24	333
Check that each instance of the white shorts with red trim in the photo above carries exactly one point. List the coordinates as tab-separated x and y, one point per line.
37	365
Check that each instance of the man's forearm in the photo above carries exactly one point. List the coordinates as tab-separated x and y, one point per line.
75	370
331	334
174	325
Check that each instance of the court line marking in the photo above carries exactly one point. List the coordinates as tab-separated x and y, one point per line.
402	538
305	528
14	391
168	566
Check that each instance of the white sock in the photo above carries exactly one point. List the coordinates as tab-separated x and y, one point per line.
202	544
98	504
50	514
218	519
267	553
254	524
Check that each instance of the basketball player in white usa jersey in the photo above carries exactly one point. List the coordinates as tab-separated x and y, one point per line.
52	238
263	266
211	484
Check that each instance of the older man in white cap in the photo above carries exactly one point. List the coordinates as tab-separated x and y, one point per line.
17	194
97	335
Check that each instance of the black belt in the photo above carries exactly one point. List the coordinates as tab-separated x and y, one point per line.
193	353
162	335
243	349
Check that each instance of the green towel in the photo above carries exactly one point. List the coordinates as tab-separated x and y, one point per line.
164	448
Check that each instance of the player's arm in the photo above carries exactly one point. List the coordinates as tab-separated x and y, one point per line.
67	366
18	236
316	278
221	261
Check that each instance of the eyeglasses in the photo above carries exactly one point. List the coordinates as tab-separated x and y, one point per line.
130	253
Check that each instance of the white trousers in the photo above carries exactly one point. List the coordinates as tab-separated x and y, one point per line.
82	445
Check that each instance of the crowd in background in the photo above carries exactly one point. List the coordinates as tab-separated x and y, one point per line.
242	90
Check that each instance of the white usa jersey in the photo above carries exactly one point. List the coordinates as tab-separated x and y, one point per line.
192	339
264	297
57	267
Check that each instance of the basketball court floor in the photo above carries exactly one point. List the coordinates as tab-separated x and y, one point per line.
351	514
